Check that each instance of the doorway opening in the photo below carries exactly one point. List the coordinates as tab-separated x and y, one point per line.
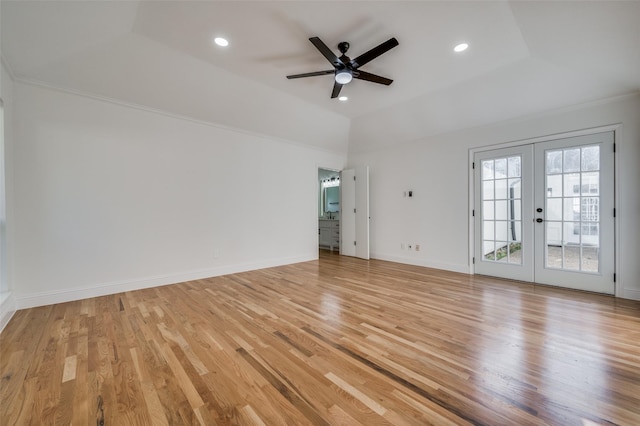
328	210
343	223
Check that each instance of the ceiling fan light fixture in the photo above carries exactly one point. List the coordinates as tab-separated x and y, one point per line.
343	77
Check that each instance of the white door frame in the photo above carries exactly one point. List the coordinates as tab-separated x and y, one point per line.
615	128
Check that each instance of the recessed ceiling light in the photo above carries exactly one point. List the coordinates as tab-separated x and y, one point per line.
220	41
343	98
460	47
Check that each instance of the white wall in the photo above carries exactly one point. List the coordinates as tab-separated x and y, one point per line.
109	198
7	299
436	168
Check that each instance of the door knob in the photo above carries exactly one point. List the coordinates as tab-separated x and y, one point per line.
539	209
539	220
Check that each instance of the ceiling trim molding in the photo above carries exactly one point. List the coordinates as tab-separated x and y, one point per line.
105	99
7	67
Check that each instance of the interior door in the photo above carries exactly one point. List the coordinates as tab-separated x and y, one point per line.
347	212
362	212
544	213
354	212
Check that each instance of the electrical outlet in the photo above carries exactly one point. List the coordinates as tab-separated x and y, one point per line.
401	246
417	247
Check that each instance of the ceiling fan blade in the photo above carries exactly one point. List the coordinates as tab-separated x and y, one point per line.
336	89
312	74
361	75
374	53
331	57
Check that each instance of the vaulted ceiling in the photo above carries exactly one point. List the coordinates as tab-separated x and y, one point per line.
523	58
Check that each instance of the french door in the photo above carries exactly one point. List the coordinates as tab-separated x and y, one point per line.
544	213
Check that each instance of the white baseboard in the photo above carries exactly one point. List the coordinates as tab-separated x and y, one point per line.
7	309
463	269
631	294
32	300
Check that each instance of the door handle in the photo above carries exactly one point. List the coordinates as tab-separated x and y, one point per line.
539	220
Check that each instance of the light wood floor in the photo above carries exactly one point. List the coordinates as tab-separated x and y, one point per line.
334	341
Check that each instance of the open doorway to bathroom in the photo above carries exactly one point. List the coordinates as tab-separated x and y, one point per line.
329	210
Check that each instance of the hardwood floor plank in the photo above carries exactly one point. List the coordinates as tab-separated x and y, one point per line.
334	341
357	394
429	414
69	371
341	417
250	417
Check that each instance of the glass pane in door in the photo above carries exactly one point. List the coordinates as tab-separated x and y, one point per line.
501	193
572	200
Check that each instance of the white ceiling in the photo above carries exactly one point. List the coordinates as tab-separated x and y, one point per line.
524	57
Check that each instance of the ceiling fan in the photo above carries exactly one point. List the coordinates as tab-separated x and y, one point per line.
345	68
